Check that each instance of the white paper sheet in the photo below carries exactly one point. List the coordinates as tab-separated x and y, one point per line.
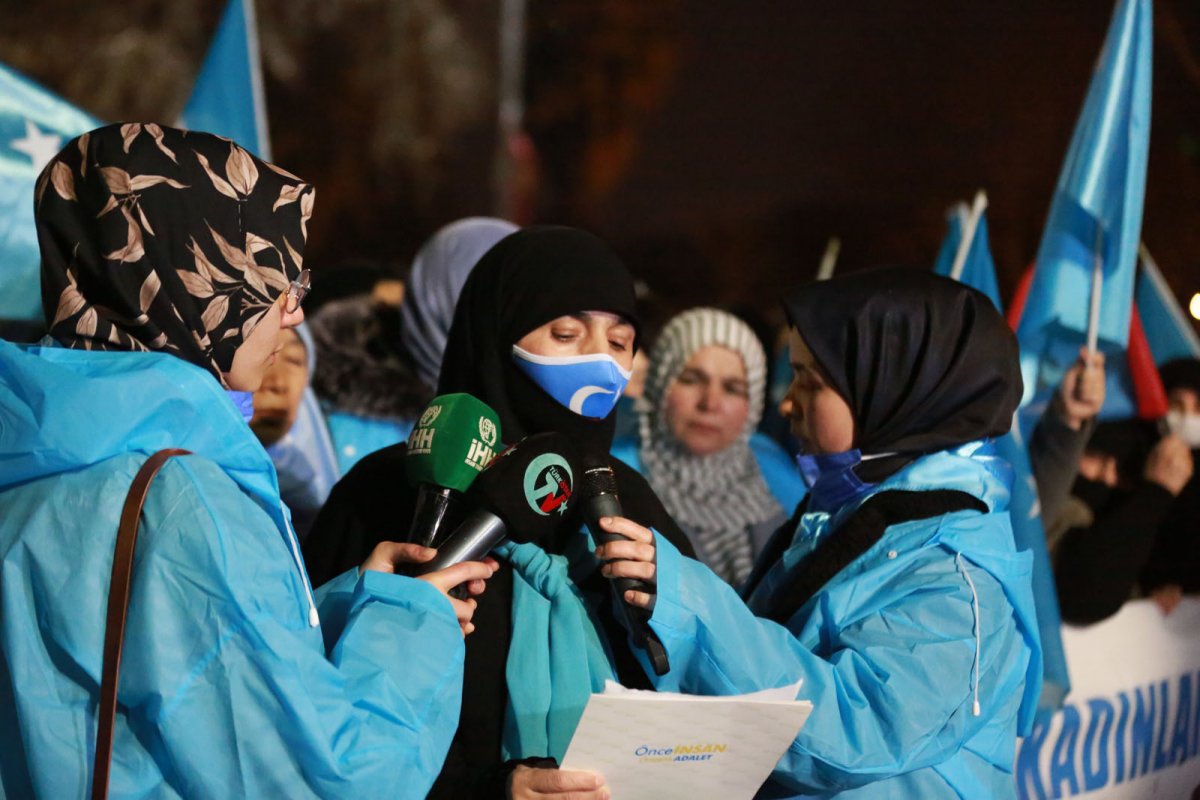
659	745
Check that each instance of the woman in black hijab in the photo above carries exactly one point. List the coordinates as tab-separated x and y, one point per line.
556	291
896	593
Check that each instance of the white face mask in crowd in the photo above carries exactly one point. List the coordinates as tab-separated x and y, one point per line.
1186	426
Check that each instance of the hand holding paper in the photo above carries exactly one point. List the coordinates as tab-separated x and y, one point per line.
661	745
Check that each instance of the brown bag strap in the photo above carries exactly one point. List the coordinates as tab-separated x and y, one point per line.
118	606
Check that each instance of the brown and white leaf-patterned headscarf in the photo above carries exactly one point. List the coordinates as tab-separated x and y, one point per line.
154	238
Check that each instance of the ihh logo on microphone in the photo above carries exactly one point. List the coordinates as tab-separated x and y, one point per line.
548	484
429	416
480	455
420	441
487	431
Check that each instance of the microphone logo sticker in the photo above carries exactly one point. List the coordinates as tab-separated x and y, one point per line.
427	418
548	484
420	442
487	431
480	455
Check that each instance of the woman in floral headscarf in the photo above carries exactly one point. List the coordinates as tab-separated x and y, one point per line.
170	264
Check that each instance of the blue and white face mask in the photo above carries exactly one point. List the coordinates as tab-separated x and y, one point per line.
590	386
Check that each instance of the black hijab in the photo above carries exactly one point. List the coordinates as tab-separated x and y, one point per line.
924	362
527	279
154	238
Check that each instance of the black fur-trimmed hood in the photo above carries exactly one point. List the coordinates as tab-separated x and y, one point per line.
361	365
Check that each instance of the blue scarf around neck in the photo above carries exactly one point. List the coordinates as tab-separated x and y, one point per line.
557	657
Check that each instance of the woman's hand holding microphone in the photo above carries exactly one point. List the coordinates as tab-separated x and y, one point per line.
629	559
387	556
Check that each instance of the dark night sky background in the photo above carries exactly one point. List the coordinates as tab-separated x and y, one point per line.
791	122
717	145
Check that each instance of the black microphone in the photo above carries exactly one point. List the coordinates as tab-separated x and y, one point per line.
598	489
523	495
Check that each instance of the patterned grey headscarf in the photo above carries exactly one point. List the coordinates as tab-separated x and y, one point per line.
716	498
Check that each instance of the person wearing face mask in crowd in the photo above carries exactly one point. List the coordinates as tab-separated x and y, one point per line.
896	593
289	423
728	487
1102	539
1174	568
547	312
1104	492
171	263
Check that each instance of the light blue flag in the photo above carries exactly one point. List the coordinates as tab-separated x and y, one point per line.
1030	534
1098	200
228	98
34	126
1168	331
979	272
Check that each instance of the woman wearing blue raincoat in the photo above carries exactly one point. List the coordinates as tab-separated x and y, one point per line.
896	593
170	263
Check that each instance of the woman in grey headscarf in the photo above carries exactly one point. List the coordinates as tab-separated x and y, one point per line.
438	274
727	487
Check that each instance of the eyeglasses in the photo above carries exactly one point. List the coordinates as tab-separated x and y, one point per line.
297	290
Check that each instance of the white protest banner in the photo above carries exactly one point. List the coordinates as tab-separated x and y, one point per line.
1131	725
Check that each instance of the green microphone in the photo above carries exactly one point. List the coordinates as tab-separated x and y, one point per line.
455	437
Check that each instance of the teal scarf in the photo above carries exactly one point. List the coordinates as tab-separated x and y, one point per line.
556	659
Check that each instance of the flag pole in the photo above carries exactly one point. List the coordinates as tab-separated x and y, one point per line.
1093	331
1150	268
258	93
978	206
510	111
829	258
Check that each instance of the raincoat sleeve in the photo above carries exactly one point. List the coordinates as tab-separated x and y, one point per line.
254	703
894	695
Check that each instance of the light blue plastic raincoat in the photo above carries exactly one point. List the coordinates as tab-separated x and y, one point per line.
895	651
356	436
230	686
